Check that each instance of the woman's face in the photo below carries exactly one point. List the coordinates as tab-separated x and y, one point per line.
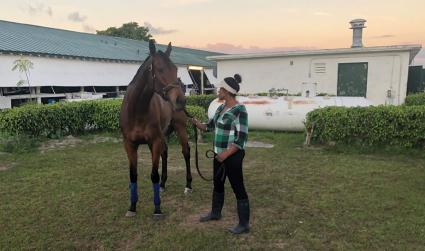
222	93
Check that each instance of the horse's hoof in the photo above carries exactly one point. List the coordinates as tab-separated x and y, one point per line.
187	190
130	214
162	189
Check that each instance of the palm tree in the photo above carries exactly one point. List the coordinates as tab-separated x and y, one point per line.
23	65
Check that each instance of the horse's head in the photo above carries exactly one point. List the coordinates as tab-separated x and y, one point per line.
165	76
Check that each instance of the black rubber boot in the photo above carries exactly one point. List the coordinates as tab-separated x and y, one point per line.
217	205
243	213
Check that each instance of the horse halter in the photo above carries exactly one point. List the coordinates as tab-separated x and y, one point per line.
168	88
165	90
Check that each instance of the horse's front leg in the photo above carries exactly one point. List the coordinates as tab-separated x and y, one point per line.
156	150
164	157
184	142
131	150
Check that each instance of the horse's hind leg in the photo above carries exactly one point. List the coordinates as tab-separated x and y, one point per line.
156	150
131	150
184	142
164	157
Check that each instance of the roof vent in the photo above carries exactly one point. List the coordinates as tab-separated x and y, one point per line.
357	26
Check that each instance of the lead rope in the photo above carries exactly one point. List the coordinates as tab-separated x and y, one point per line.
210	154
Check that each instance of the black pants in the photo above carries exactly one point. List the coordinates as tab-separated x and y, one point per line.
233	169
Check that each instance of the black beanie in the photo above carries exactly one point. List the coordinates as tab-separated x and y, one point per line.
234	82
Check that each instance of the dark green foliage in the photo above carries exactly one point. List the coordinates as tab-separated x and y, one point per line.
373	126
47	120
130	30
201	100
415	99
106	115
199	113
60	119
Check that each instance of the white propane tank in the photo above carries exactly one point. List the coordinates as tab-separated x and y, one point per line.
286	113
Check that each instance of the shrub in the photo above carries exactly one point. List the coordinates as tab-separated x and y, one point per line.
381	125
48	120
106	115
60	119
201	100
415	99
199	113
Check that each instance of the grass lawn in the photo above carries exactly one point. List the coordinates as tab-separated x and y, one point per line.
75	197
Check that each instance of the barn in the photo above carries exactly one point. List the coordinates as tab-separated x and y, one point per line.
379	74
76	66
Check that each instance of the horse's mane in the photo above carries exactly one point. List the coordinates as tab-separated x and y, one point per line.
145	66
142	90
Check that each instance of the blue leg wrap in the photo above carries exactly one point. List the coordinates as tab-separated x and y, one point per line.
134	197
156	199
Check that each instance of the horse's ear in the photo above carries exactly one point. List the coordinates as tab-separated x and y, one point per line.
168	51
152	47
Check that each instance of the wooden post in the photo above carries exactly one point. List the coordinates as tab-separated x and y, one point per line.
202	81
37	91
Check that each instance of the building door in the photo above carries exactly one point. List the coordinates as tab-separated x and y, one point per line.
415	81
352	79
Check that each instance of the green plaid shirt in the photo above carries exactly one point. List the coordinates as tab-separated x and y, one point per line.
231	127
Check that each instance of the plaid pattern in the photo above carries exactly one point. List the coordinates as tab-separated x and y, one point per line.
231	127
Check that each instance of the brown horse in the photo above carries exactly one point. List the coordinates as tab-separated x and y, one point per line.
153	105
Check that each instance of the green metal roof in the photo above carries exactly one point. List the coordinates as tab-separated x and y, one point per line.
31	39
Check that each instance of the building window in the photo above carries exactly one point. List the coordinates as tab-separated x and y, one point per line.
320	68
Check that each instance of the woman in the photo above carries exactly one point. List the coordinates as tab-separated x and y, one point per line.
230	124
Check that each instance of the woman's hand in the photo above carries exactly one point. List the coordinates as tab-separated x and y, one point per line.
195	121
221	156
226	153
198	124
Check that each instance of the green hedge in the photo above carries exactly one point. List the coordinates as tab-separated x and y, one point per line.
415	99
48	120
68	118
200	100
199	113
381	125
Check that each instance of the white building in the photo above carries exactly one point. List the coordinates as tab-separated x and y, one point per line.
378	73
76	65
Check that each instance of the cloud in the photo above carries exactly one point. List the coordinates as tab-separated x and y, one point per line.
49	11
176	3
37	9
76	17
383	36
323	14
157	30
88	28
239	49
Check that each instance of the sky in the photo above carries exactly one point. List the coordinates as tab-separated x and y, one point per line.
237	26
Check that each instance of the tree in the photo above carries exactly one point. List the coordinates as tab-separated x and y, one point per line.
130	30
23	65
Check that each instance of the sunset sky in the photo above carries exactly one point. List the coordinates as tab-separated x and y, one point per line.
237	26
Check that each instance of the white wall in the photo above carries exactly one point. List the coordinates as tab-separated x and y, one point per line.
67	72
386	70
73	72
